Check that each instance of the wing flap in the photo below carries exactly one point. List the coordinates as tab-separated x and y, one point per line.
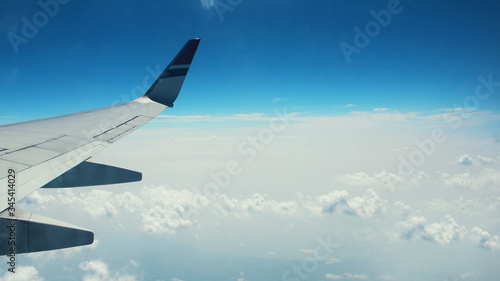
30	156
32	178
28	232
123	129
62	144
8	165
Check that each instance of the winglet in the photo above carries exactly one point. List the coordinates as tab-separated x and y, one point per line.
167	86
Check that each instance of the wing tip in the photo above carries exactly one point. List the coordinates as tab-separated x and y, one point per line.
186	55
167	92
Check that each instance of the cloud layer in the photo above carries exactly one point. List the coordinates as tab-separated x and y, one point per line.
164	211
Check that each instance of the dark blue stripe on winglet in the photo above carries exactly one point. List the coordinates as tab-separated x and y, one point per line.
176	72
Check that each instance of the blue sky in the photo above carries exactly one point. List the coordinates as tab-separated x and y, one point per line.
333	173
428	56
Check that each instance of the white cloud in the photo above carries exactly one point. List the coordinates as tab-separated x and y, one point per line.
252	117
412	226
130	202
308	251
393	116
443	233
22	273
485	240
347	105
97	270
380	117
37	198
105	208
158	220
479	207
483	160
402	209
327	204
468	275
365	206
62	254
161	210
486	178
350	276
207	4
279	100
384	178
332	261
258	203
95	202
375	179
464	179
168	210
242	277
466	160
333	276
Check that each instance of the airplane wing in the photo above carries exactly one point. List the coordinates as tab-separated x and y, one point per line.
56	152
